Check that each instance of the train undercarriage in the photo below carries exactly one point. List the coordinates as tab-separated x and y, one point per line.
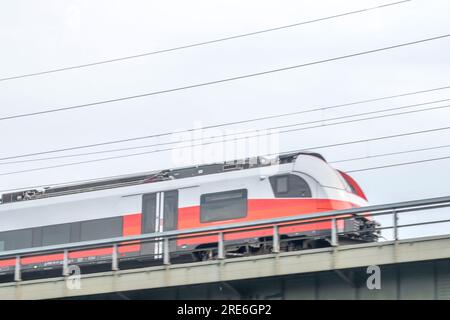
365	232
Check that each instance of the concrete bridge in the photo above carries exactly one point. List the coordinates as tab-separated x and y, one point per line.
416	268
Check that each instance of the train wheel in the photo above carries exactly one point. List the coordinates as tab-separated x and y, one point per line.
310	244
293	246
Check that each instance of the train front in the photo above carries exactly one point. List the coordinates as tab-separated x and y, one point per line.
336	190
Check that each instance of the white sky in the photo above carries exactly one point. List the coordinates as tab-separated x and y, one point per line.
40	35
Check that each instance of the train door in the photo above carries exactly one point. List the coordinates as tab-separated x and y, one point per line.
159	213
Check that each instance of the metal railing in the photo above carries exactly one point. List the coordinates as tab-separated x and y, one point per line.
221	231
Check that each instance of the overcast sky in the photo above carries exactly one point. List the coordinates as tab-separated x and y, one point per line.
47	34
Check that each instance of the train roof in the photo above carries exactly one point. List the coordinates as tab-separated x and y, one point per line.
151	177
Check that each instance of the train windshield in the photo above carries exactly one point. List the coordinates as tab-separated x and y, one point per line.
290	186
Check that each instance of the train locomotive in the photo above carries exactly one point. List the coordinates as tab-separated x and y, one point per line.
184	198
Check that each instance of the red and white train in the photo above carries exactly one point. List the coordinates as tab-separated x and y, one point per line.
200	196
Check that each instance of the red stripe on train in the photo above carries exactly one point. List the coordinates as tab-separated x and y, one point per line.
263	209
131	226
189	217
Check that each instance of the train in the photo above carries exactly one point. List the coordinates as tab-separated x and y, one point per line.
184	198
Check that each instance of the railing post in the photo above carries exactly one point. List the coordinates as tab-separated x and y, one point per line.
166	251
276	240
334	233
115	262
395	223
220	250
17	272
66	263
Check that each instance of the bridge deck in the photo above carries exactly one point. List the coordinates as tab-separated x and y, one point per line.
286	263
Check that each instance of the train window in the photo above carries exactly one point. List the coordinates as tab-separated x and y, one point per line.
101	229
170	210
282	184
149	213
354	187
56	234
223	205
17	239
290	186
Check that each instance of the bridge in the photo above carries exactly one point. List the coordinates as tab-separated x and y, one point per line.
410	267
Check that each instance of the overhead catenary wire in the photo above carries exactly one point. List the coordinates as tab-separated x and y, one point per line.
286	152
234	134
390	154
209	143
145	54
294	151
157	135
399	164
223	80
203	144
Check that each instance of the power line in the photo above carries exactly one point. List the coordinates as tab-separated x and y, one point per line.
372	139
398	164
208	143
199	43
227	123
197	85
214	142
289	152
232	134
390	154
